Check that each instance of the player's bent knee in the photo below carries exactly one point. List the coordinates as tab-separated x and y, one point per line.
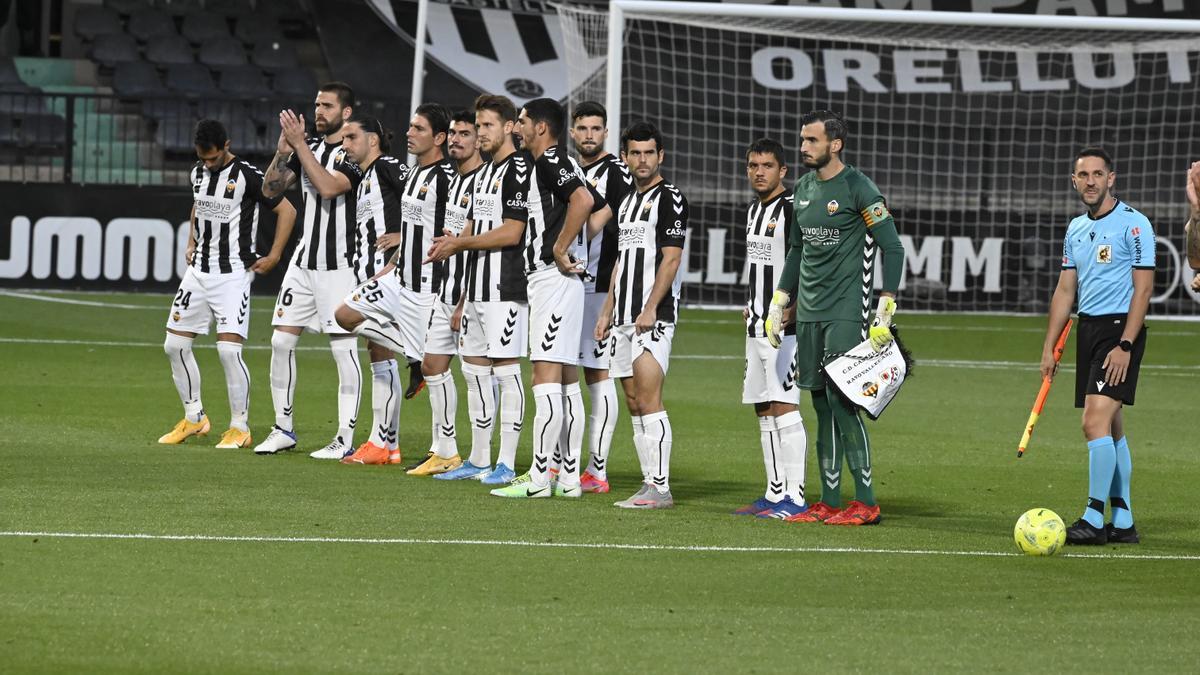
347	318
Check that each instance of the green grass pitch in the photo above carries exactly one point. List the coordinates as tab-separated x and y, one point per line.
389	573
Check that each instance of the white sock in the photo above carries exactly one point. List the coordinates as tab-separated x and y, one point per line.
658	449
547	426
639	446
512	412
794	442
481	406
237	383
345	355
443	401
283	377
385	335
572	442
772	458
186	375
603	422
385	403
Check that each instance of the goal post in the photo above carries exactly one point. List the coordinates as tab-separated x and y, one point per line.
967	122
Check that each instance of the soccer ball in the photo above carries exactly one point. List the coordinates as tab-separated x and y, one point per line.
1040	532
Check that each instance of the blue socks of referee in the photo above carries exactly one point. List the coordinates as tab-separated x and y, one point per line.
1122	513
1102	463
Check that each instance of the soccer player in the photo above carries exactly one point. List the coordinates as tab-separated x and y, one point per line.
642	306
226	194
496	315
441	338
770	384
1108	257
557	206
321	273
373	307
1192	229
609	176
840	221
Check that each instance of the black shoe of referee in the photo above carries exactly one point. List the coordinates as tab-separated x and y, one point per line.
1122	535
1081	533
416	380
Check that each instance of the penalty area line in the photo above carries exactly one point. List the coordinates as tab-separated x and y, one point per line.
404	541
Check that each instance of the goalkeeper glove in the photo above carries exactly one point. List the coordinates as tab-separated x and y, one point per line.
881	327
774	324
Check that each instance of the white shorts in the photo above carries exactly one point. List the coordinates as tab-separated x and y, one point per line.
494	330
770	372
309	298
386	300
555	317
627	347
439	339
593	354
207	296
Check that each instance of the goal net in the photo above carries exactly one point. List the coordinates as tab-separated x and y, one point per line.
968	123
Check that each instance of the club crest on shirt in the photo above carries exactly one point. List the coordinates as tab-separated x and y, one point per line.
464	202
1104	254
340	157
771	228
495	185
594	182
367	185
649	205
424	190
832	206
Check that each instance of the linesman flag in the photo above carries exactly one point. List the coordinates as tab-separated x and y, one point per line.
869	380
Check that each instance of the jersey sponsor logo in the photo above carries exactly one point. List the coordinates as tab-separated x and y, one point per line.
485	208
759	249
411	209
832	206
821	236
1137	250
1104	254
365	209
631	237
213	208
518	201
564	176
1135	231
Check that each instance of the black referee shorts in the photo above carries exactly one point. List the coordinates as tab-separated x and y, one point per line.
1097	336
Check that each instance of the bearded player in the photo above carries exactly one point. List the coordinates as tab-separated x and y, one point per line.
840	222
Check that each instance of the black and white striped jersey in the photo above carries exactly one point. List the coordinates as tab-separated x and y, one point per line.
225	224
424	216
648	222
766	249
501	189
612	180
329	230
449	279
555	179
378	212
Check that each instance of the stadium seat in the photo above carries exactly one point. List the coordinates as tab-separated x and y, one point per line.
174	134
255	30
224	110
275	56
222	51
109	50
92	21
163	108
229	8
191	80
178	7
43	131
145	24
10	80
169	50
126	7
9	135
295	83
22	103
201	27
243	82
136	79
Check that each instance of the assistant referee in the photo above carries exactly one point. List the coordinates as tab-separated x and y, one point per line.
1108	256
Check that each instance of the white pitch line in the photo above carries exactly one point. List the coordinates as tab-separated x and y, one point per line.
92	303
567	545
1163	369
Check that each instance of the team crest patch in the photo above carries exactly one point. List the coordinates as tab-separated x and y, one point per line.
341	156
279	312
770	228
1104	254
594	182
832	206
870	389
424	189
649	205
875	214
367	185
1135	231
356	297
175	317
464	202
495	185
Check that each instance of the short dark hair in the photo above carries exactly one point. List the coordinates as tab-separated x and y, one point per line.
463	115
345	95
1094	151
766	146
836	126
210	134
501	105
549	111
642	131
372	125
589	109
437	116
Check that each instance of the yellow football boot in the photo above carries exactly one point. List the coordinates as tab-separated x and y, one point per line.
185	430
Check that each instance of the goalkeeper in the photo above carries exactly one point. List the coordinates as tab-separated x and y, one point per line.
840	220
